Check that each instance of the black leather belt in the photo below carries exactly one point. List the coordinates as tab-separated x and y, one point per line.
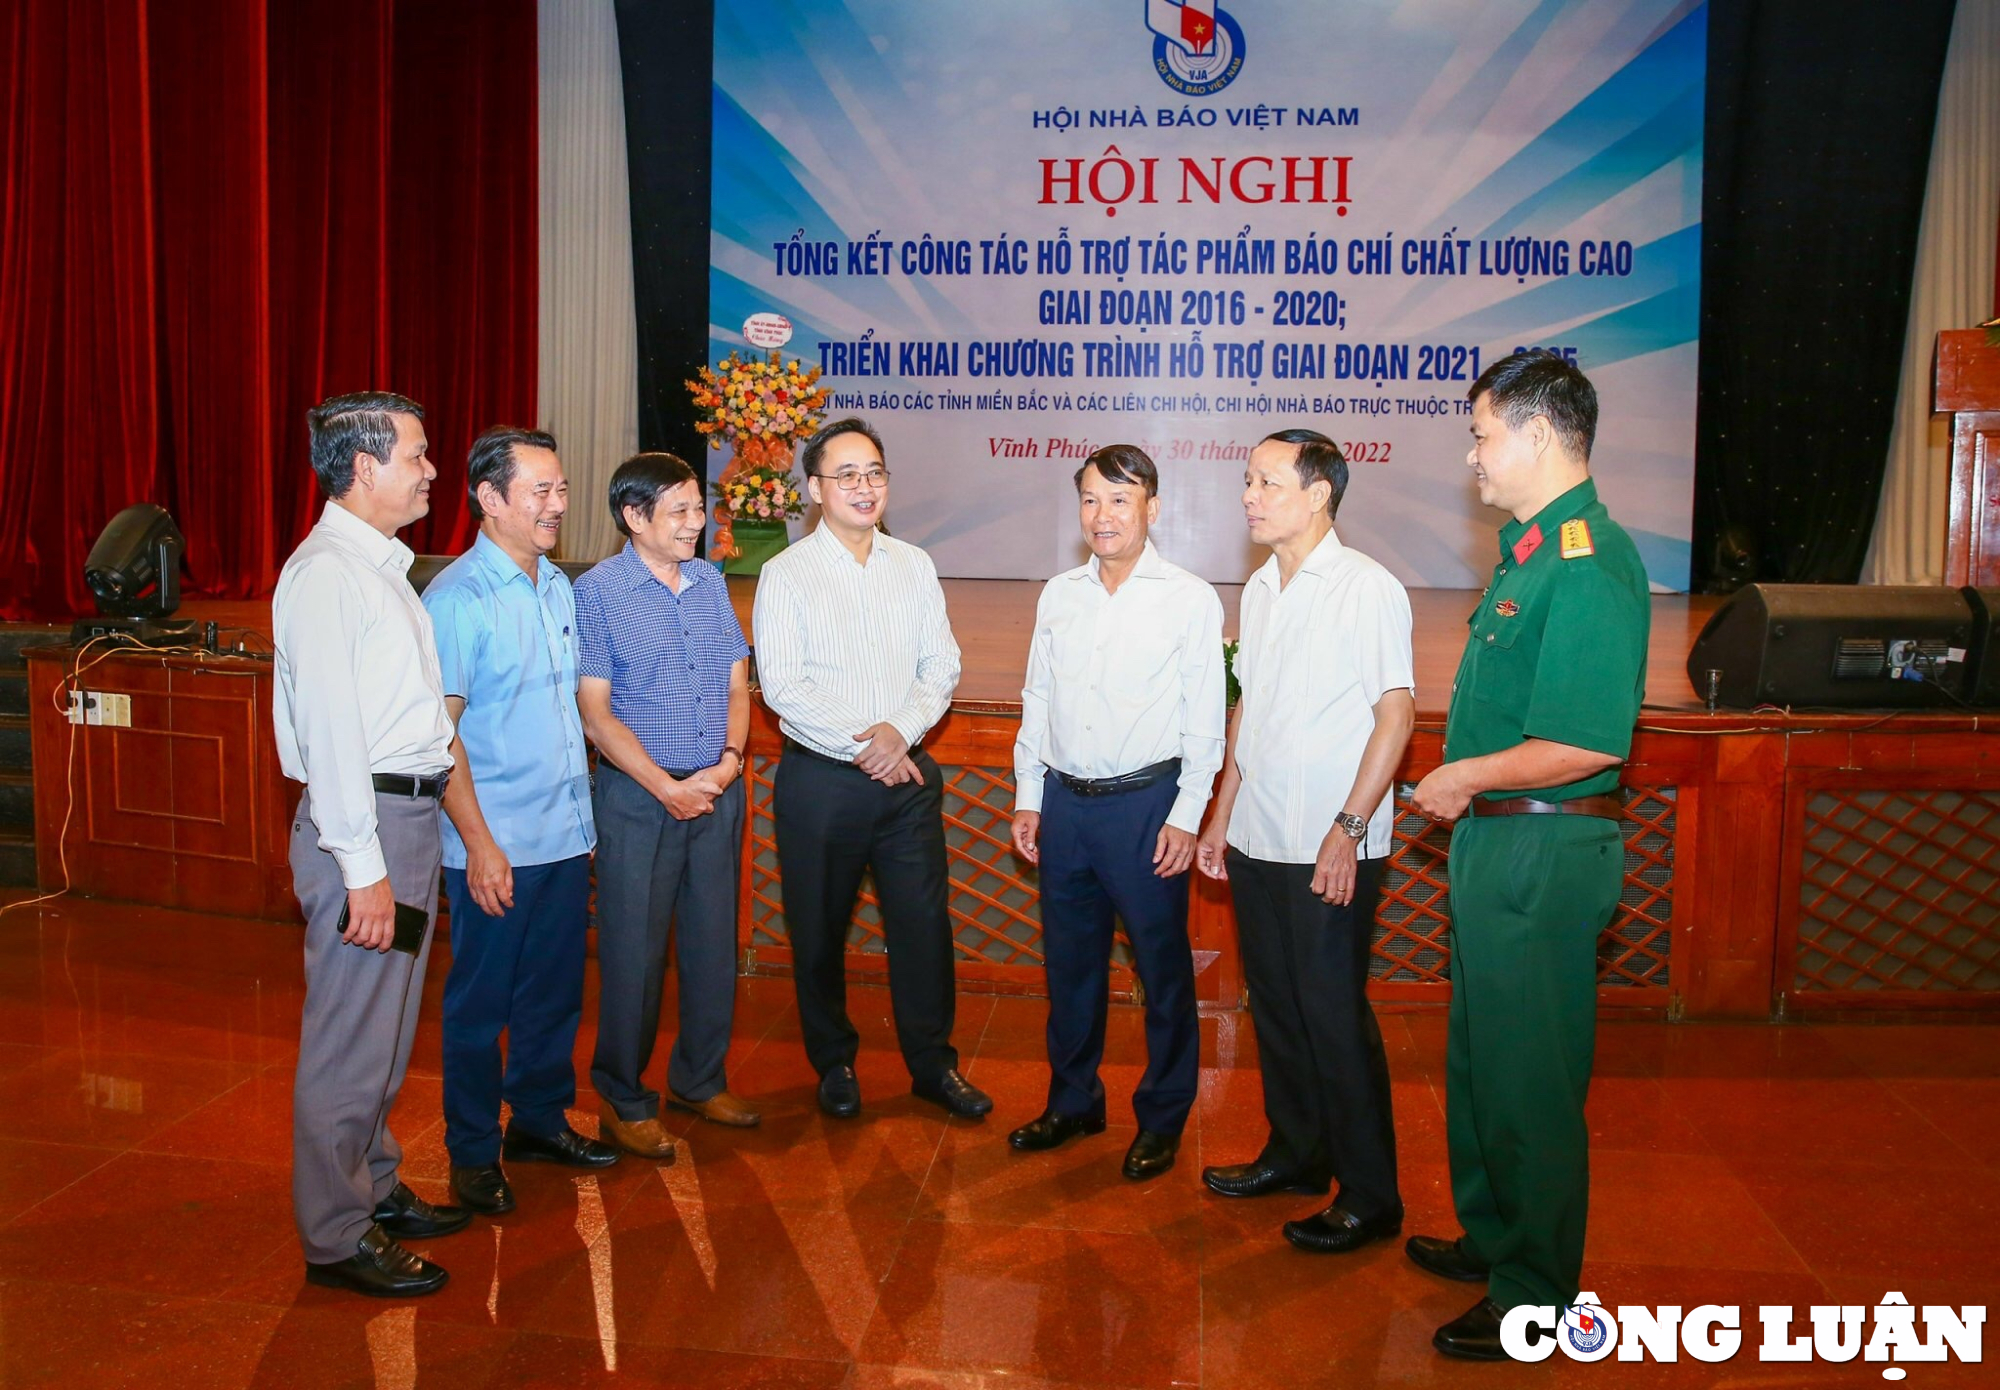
792	745
1127	782
405	784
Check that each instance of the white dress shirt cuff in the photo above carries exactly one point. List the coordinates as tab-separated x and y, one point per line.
1186	814
1028	790
910	724
361	867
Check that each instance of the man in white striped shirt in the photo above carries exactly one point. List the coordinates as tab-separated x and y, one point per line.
855	656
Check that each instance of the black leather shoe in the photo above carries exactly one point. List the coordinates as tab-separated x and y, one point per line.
840	1093
1337	1230
1050	1129
406	1216
1151	1154
1257	1179
566	1147
1445	1258
955	1094
482	1188
379	1268
1475	1336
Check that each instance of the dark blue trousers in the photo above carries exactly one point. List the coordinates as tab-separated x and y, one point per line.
520	973
1097	870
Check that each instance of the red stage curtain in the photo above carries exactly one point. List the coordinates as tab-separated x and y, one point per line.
462	332
78	420
219	213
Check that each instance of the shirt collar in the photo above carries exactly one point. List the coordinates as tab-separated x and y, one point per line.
1561	509
637	573
488	553
822	534
379	550
1150	566
1322	560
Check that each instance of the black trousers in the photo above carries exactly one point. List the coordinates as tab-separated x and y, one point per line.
834	822
1326	1076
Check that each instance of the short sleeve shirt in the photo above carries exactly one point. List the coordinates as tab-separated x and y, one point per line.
666	654
1315	658
507	647
1557	648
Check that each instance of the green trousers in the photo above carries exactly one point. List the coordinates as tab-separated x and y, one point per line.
1529	897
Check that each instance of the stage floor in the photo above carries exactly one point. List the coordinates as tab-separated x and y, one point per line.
146	1233
993	619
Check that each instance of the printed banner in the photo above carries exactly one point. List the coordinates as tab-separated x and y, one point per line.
1013	233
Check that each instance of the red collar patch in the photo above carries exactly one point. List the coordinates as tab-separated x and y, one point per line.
1530	542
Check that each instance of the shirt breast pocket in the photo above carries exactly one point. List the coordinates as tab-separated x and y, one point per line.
1505	669
1148	653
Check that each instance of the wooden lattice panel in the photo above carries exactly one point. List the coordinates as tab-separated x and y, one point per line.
1413	919
994	912
1900	890
1636	949
1413	912
996	915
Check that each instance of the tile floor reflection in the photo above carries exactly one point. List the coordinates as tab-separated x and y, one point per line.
145	1230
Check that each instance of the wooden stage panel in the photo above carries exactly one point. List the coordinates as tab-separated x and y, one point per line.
994	618
1776	862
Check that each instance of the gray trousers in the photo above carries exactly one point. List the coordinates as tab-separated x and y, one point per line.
655	873
354	1040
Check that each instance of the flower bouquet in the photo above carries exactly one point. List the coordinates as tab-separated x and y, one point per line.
760	406
758	493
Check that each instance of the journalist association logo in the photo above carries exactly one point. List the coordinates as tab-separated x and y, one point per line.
1586	1326
1197	47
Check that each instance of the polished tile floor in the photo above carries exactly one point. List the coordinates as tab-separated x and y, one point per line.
145	1232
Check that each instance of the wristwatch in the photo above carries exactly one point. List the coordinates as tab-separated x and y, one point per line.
1355	826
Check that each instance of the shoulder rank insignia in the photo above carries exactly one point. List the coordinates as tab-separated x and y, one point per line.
1506	608
1576	539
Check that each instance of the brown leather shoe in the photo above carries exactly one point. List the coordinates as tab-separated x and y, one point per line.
646	1138
722	1108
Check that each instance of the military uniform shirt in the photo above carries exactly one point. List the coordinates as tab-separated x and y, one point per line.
1558	643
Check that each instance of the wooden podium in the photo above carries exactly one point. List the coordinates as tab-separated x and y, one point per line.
1968	388
184	805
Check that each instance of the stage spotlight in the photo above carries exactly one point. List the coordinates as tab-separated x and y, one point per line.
134	575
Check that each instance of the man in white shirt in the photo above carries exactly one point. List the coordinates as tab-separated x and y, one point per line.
361	720
855	656
1121	735
1303	819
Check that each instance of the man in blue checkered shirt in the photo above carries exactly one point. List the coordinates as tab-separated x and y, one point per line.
665	696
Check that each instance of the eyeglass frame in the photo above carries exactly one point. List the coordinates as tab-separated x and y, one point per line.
856	478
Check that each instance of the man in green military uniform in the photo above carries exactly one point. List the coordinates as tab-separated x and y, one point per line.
1541	720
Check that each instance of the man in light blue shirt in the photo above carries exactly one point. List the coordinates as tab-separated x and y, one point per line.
518	828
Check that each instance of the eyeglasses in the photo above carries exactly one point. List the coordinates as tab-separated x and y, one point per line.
850	479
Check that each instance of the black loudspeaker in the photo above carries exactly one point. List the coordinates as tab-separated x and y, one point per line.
1846	645
1983	684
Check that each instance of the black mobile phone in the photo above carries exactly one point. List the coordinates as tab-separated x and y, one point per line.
411	923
